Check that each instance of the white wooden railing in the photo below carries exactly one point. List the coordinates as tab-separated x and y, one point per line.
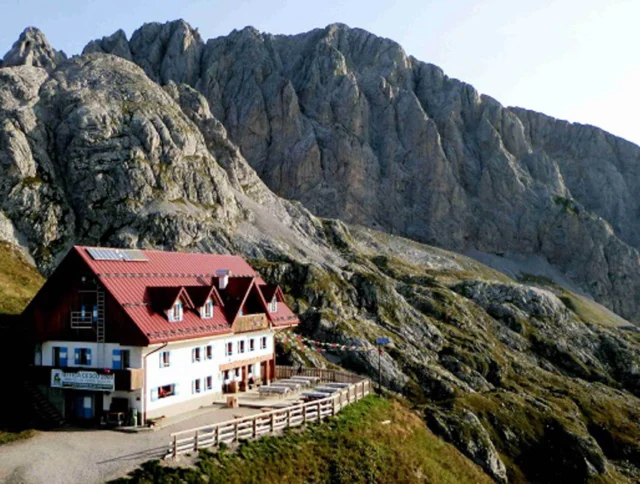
267	423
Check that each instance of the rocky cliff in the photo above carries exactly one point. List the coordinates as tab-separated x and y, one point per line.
348	124
164	141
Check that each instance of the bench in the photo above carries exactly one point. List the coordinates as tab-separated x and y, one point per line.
328	390
307	396
337	385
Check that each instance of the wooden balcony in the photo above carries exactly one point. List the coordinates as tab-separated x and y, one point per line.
81	320
250	322
125	380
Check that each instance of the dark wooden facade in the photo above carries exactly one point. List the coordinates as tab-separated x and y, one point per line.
48	315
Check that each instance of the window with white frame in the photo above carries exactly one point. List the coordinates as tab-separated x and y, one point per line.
196	386
208	309
209	383
252	344
164	391
165	359
273	307
229	349
196	354
241	346
175	314
263	343
209	352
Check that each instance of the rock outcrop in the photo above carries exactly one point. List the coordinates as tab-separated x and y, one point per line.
33	49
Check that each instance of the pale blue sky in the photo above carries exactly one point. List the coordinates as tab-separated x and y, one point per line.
572	59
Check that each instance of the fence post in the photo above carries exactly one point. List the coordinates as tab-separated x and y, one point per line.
175	446
333	406
216	440
288	418
195	443
304	413
235	431
319	416
272	421
255	430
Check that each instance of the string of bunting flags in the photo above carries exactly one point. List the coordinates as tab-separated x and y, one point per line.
318	346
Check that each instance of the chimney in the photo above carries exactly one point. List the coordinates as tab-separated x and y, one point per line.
223	278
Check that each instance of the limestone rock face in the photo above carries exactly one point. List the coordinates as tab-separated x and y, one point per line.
33	49
348	124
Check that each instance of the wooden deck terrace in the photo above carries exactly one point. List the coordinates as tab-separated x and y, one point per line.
270	422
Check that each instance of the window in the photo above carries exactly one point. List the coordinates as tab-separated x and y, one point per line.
241	346
209	352
195	354
165	359
273	307
209	382
125	358
229	351
263	343
250	369
237	372
252	344
226	375
82	356
196	386
240	313
176	312
59	356
208	309
164	392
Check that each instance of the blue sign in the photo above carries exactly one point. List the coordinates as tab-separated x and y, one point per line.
383	341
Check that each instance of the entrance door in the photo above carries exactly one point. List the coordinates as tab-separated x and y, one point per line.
80	405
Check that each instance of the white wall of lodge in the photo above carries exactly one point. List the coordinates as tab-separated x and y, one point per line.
181	372
184	370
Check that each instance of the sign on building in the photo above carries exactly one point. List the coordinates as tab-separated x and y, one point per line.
83	380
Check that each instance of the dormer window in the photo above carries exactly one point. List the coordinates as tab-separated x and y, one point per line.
273	306
207	310
175	314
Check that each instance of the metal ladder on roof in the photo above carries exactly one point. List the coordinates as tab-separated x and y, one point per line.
100	331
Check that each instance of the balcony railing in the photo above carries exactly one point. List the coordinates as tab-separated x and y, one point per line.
81	320
251	322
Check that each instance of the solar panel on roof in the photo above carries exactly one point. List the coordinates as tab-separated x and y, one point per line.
135	255
99	253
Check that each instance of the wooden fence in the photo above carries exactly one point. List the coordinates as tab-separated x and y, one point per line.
267	423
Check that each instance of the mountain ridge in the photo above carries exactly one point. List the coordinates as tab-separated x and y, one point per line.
318	117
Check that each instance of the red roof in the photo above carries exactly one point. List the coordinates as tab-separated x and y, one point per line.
137	285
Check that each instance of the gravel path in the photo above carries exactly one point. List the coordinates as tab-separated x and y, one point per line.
70	456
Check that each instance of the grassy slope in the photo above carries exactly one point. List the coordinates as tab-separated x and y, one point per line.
353	447
19	280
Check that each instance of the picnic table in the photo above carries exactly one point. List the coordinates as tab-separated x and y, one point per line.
288	384
279	391
311	379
